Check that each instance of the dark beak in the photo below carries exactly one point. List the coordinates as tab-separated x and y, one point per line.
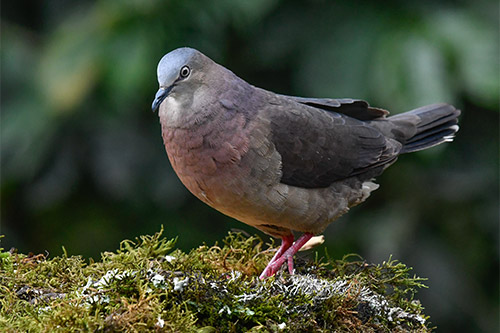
161	94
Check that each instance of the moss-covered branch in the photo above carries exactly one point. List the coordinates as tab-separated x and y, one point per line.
148	284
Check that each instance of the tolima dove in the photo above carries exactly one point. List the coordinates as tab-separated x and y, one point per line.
280	163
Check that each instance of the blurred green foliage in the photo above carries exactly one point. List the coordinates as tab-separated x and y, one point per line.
83	165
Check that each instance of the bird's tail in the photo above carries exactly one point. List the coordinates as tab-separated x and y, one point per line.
424	127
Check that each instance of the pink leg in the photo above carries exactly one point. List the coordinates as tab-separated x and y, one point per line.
276	263
290	265
286	242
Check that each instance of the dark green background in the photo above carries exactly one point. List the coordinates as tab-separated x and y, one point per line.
82	160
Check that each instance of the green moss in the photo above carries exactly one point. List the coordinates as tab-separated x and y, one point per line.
148	284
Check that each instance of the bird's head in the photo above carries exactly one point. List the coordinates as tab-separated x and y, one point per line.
180	74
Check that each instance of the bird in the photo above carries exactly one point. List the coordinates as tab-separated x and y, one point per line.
282	164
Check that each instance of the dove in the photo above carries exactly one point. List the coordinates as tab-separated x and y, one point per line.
282	164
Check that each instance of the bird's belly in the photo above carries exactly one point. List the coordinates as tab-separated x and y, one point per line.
248	188
273	207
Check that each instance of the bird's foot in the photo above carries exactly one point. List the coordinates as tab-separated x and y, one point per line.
286	242
285	253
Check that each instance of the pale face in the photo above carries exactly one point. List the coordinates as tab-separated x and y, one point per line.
182	79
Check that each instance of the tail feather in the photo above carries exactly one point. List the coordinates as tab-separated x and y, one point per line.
428	140
425	127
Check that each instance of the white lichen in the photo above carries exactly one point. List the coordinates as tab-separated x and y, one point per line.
158	281
322	289
94	291
235	275
160	322
180	284
225	309
170	258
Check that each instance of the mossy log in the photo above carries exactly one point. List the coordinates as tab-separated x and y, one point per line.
148	284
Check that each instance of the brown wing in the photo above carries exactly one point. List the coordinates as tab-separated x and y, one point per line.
319	147
354	108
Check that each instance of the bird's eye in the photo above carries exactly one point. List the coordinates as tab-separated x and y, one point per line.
185	72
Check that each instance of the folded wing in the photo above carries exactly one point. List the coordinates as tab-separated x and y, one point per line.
319	147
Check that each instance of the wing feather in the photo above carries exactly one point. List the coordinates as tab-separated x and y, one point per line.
354	108
319	147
